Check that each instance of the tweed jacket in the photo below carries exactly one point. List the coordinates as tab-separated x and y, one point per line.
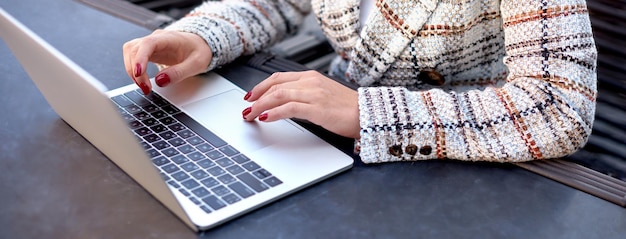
478	80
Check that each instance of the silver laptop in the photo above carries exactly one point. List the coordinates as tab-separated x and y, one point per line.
185	144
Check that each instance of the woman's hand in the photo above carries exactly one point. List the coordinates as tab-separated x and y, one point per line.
186	54
306	95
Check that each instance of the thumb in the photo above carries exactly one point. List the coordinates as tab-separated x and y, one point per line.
178	72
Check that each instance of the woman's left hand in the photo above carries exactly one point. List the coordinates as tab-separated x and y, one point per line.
307	95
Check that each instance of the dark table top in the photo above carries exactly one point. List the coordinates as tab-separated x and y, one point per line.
56	185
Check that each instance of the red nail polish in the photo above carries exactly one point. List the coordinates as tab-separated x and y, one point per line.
162	80
263	117
144	88
247	96
137	70
246	111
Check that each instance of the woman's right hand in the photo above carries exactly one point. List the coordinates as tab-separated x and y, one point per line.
185	54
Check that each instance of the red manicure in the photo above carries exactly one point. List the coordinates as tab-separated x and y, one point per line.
263	117
144	88
247	96
162	80
137	70
246	111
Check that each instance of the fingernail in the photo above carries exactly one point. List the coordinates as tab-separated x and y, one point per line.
162	80
137	70
263	117
247	96
246	111
144	88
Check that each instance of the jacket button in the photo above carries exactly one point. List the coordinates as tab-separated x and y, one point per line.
426	150
396	150
431	77
411	149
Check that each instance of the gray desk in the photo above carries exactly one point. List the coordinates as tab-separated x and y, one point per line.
55	184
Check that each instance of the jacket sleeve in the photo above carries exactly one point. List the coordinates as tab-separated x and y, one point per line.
242	27
544	110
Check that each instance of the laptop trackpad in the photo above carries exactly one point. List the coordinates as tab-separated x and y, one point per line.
222	115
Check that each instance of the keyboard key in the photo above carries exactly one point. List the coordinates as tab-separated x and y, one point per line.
195	156
261	174
220	190
241	189
235	169
205	209
176	127
272	181
134	124
229	150
200	130
252	182
145	145
167	120
160	144
153	153
226	179
170	109
210	182
141	115
180	159
121	100
133	109
127	117
180	176
176	142
149	121
231	198
190	183
159	128
224	162
216	171
167	135
184	192
170	168
204	147
189	167
151	138
186	148
214	202
197	202
137	98
240	159
195	140
205	163
199	174
150	108
251	166
201	192
173	183
214	154
158	161
185	133
169	152
142	131
158	114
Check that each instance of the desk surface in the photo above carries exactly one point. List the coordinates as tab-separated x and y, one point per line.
57	185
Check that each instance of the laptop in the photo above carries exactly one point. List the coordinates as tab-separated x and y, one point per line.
186	144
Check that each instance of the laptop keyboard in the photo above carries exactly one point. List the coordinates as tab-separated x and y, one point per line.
191	158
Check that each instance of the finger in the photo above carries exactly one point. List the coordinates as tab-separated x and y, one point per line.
139	62
275	99
191	66
275	79
289	110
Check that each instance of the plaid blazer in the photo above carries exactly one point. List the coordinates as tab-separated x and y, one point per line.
506	81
